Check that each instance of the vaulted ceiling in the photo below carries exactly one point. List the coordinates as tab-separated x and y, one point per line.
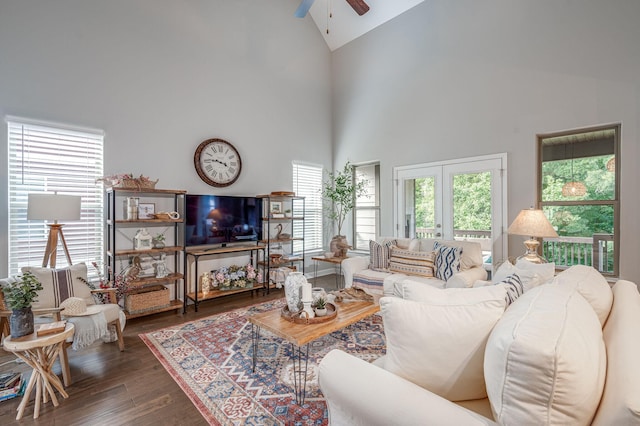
339	23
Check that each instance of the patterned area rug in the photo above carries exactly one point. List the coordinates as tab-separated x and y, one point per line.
211	360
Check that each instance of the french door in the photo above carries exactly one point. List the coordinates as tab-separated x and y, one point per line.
455	200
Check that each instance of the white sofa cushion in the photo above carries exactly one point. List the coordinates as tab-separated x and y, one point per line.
620	404
531	274
60	284
438	343
591	285
546	360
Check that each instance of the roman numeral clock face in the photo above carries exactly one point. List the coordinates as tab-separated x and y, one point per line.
217	162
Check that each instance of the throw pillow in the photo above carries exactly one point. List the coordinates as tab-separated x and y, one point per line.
411	262
447	260
545	360
531	275
514	288
591	285
60	284
379	254
440	345
620	404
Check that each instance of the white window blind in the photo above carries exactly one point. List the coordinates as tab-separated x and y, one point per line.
307	182
366	214
47	158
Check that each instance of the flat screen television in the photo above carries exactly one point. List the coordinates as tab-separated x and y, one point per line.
222	219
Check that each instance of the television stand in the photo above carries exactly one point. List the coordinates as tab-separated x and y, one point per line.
196	253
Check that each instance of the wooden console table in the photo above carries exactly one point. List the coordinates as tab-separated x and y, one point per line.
40	353
196	295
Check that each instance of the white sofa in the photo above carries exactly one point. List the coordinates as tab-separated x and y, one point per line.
357	272
565	352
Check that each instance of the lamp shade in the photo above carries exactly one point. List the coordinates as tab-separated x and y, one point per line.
532	223
53	207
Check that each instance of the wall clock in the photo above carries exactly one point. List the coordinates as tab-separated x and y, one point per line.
217	162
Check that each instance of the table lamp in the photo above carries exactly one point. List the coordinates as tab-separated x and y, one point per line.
533	224
53	207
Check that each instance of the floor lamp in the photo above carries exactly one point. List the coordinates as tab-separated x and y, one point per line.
53	207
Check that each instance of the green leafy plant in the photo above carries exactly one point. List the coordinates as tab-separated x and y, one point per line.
159	237
341	191
321	303
22	293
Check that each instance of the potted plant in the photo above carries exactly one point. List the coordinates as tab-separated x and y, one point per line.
18	296
341	190
321	306
288	213
158	241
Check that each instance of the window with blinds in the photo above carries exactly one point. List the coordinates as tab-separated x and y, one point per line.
366	214
52	158
307	182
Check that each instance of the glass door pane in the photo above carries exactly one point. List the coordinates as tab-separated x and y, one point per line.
472	209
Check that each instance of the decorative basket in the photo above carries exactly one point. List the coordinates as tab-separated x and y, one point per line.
147	298
137	183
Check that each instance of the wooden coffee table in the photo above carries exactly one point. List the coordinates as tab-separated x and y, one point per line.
300	335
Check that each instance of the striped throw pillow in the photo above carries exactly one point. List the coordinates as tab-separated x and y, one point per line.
410	262
447	260
379	255
514	287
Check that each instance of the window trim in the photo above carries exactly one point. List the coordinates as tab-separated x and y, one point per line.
615	202
376	208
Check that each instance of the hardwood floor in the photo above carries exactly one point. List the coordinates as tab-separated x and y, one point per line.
110	387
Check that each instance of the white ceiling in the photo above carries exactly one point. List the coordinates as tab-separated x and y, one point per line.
346	25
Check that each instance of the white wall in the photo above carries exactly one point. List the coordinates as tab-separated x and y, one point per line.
451	79
161	76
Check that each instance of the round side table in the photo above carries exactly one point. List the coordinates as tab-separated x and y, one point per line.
40	353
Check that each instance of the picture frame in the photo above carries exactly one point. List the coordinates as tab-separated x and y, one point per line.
146	211
275	207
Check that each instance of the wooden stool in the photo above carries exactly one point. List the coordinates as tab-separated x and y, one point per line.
40	353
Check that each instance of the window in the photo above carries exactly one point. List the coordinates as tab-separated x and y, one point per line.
48	158
307	182
578	189
366	213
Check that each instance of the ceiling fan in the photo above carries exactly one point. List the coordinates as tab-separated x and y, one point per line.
358	5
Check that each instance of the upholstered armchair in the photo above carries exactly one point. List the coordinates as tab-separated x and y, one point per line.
58	285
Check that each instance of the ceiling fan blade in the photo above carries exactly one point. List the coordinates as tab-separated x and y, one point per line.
304	7
359	6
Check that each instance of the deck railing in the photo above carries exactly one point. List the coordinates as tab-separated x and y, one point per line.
563	251
482	237
568	251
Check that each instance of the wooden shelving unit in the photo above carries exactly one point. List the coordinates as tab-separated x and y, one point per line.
271	241
116	250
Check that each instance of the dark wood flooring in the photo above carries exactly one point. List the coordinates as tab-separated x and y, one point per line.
110	387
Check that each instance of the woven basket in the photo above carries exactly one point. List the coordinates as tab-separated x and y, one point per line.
147	298
137	183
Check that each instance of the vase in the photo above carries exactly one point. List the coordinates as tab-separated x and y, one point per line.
292	289
21	322
339	246
321	312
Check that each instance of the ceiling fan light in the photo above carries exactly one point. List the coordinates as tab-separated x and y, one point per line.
574	189
611	164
